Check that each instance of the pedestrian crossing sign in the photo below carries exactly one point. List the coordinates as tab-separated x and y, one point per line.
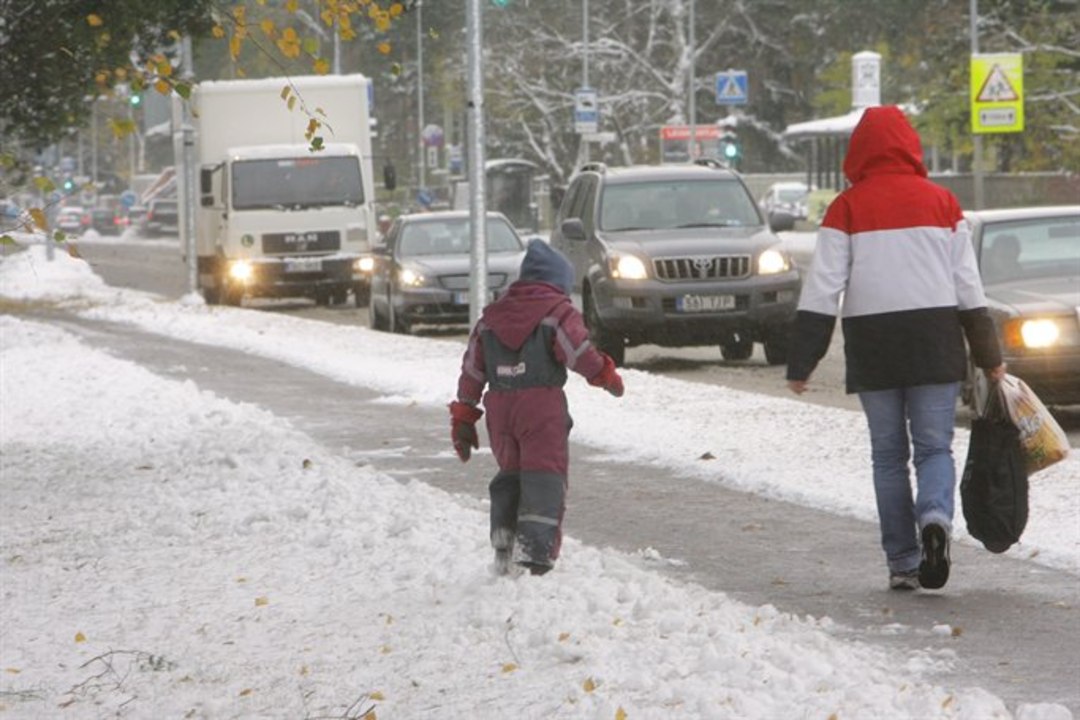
731	88
997	93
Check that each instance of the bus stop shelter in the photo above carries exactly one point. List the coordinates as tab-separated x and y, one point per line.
824	143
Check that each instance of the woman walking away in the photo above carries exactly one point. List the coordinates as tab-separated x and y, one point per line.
894	249
520	349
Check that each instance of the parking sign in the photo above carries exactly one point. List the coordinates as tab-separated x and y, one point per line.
586	111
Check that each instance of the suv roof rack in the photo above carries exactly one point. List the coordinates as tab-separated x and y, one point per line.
594	167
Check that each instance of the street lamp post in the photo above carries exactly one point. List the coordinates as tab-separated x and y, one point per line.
585	64
693	107
420	88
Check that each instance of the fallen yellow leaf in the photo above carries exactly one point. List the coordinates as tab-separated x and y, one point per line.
245	692
509	668
260	601
13	671
376	696
588	686
564	636
79	637
620	714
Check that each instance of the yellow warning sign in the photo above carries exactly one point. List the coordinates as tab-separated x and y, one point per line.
997	93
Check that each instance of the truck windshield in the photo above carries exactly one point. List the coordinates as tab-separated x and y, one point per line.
297	183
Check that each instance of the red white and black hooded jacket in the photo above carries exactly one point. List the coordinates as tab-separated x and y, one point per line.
894	255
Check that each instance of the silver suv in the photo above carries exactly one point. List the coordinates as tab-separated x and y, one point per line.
676	255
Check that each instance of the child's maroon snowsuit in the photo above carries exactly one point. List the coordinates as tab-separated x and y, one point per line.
520	349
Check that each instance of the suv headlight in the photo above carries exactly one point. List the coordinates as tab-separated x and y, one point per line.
771	262
628	267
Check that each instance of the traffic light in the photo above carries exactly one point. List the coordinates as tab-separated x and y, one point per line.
731	147
501	3
135	99
69	185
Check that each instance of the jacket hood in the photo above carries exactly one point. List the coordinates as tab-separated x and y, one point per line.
543	263
883	142
515	316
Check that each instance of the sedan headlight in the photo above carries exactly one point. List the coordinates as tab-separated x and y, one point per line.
410	277
771	262
1031	333
628	267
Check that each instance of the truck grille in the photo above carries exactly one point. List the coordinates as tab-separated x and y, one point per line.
301	242
702	267
461	282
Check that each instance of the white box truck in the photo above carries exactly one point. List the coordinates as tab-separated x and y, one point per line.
276	218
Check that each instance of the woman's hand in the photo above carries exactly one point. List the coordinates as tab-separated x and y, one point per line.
995	374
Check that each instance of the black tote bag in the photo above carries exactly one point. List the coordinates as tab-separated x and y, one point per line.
994	487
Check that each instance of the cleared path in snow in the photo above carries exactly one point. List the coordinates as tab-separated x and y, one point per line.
1013	626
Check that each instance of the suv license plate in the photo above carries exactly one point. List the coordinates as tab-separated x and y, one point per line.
704	303
303	265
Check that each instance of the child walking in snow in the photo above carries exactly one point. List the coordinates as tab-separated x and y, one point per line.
520	349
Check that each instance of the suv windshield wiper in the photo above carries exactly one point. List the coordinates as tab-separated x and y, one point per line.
719	223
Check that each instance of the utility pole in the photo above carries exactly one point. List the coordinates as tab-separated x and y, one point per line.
474	106
420	89
976	155
585	65
184	157
692	146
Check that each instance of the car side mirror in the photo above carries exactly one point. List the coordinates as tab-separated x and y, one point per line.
781	221
573	229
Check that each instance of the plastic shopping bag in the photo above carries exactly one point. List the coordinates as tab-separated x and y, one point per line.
994	486
1043	440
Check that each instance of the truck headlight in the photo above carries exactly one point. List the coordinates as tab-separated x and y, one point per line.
1032	333
241	270
771	262
364	265
628	267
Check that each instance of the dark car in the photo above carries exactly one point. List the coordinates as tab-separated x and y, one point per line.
107	222
162	218
421	272
676	255
1029	259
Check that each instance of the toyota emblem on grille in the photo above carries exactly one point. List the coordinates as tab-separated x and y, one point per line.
702	265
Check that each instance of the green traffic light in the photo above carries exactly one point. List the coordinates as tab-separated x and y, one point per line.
731	151
136	99
501	3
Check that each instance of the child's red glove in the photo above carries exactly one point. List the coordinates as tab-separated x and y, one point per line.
608	378
463	417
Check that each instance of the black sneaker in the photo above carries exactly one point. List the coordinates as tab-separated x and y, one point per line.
934	568
904	580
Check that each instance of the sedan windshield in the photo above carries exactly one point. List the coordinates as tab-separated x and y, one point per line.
1028	249
296	183
677	204
453	237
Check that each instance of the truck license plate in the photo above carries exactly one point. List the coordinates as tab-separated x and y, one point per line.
303	265
704	303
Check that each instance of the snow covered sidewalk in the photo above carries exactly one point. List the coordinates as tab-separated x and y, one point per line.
166	552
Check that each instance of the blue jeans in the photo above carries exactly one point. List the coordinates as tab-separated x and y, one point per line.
930	413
